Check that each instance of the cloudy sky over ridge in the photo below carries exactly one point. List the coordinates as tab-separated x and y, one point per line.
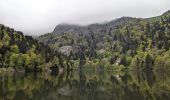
35	17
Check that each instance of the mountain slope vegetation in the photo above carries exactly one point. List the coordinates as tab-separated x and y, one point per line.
22	52
124	43
136	43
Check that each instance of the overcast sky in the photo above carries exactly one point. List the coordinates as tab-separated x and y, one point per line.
35	17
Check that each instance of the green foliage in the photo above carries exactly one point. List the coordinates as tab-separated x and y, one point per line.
27	59
20	61
14	49
13	59
136	63
162	62
5	39
135	44
1	44
128	61
18	51
149	62
55	61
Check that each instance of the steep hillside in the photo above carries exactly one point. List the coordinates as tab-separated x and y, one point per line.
123	41
21	52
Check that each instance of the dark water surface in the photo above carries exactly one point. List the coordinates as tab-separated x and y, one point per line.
85	85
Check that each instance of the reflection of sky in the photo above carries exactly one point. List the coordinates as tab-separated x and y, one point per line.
41	16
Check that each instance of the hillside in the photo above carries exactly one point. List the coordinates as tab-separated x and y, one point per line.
125	41
22	52
85	30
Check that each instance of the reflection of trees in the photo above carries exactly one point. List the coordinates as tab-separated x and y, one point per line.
82	85
12	88
150	86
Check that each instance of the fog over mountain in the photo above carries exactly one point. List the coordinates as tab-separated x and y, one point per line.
36	17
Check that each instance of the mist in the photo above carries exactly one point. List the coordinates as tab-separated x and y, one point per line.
37	17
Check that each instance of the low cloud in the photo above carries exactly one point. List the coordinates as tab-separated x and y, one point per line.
36	17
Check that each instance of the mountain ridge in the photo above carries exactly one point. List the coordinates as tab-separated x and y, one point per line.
75	28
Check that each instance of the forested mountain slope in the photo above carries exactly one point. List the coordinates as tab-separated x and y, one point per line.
136	42
21	52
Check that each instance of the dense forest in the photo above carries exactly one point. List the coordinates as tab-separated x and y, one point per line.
125	43
22	52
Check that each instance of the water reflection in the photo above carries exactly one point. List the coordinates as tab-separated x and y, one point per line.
85	85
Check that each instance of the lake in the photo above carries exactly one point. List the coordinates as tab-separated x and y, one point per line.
85	85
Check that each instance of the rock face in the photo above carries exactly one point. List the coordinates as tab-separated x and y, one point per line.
65	50
66	28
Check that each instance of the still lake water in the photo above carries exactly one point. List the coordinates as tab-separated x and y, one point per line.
85	85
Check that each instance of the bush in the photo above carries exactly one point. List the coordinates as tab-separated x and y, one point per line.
162	62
